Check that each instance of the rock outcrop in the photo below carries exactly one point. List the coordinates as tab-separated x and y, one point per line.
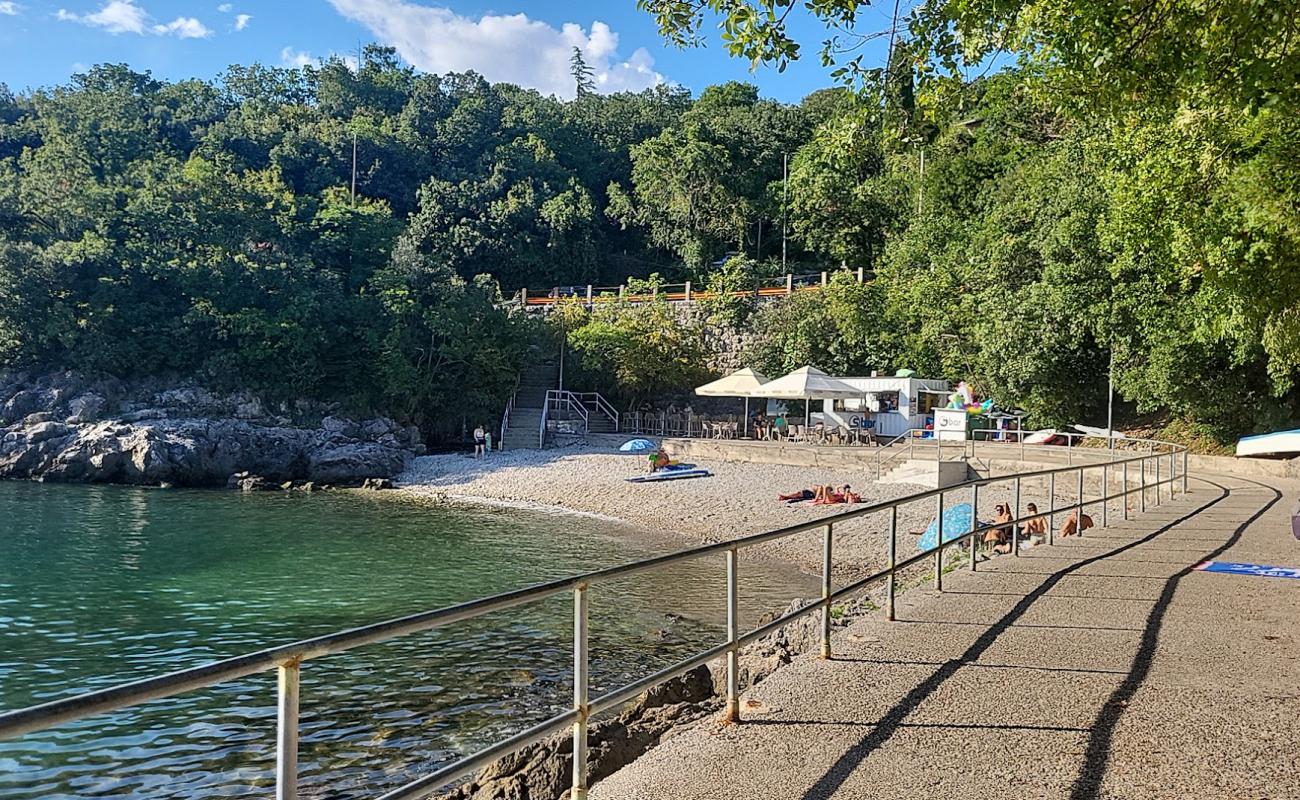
543	771
67	427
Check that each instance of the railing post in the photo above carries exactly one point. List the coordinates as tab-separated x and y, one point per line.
1105	495
1051	508
733	636
286	738
1157	460
1126	488
938	550
589	297
1142	491
974	524
1173	473
1078	512
1015	529
688	291
862	275
893	559
826	590
823	280
789	283
1184	470
580	692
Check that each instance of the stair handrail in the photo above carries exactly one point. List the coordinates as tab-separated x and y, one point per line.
883	457
541	432
602	405
562	398
505	417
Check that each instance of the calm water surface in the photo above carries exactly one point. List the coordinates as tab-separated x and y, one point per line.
99	585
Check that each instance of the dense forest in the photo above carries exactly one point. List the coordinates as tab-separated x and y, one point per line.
348	234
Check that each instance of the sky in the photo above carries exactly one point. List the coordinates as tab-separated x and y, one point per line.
527	42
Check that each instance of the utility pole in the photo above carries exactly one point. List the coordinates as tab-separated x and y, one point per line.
920	184
785	194
1110	400
354	165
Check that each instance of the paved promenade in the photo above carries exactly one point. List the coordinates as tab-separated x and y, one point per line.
1099	668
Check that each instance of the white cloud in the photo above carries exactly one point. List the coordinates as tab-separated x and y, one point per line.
510	48
124	16
185	28
225	8
296	58
117	16
9	9
242	20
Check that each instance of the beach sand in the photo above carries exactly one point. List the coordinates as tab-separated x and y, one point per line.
738	499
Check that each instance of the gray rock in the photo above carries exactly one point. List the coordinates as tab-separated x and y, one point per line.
543	771
42	431
23	403
150	434
352	463
85	408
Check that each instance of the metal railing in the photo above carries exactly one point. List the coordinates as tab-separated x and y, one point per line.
598	403
287	660
685	292
505	415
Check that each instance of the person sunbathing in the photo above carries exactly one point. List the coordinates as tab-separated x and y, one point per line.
1071	526
799	496
1036	527
998	538
831	497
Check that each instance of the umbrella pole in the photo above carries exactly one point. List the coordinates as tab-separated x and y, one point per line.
807	413
746	423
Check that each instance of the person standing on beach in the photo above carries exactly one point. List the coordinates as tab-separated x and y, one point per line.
480	442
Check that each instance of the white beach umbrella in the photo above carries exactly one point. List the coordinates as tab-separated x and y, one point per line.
741	383
807	383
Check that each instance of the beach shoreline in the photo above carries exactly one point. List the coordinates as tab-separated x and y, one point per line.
739	499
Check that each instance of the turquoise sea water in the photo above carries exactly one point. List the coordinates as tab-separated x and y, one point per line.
101	584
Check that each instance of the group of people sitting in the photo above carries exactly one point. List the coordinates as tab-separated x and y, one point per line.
766	427
822	496
999	536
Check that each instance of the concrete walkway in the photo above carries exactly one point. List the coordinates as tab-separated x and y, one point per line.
1099	668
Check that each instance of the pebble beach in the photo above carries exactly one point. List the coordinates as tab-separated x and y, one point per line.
738	499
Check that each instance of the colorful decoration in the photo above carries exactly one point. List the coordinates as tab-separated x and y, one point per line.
963	397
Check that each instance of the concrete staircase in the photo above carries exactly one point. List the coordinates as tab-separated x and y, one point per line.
530	399
929	473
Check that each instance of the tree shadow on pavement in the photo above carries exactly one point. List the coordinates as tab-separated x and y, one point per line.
893	719
1091	773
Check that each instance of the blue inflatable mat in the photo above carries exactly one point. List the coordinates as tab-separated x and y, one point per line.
1259	570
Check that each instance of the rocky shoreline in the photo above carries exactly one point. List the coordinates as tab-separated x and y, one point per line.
543	771
63	426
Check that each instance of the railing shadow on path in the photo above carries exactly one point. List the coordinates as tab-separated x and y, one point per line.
1097	754
1087	785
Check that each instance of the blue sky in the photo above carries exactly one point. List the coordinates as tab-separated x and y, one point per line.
521	41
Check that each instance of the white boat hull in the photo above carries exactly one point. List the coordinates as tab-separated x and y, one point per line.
1280	444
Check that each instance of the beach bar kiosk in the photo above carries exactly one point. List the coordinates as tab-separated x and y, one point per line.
889	406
